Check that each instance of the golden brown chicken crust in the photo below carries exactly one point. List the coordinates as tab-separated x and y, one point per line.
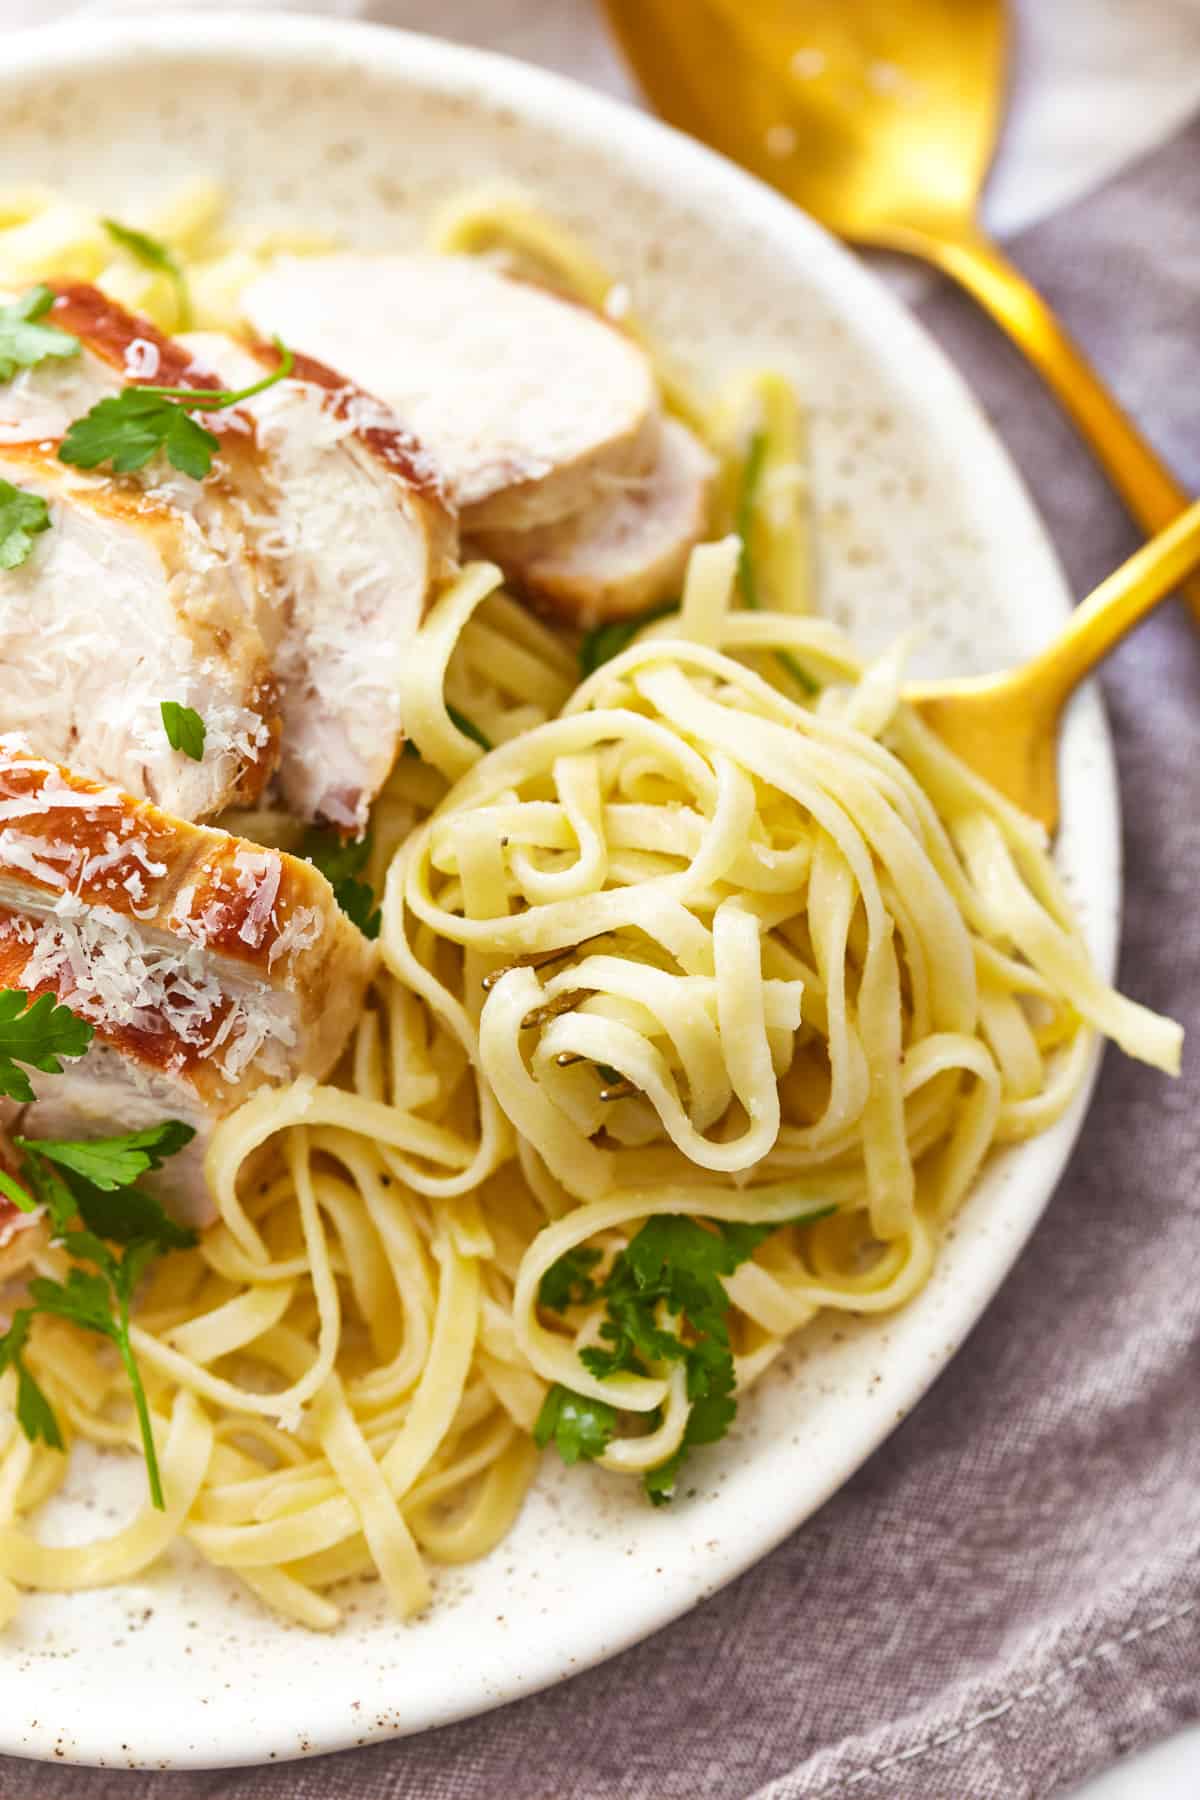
399	452
271	919
205	618
107	330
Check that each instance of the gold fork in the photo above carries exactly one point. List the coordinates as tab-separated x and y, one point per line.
1006	726
879	117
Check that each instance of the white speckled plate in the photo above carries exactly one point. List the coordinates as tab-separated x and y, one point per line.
922	519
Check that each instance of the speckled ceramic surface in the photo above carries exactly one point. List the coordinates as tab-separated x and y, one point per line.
922	520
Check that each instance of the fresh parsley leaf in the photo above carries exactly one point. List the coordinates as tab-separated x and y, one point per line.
92	1182
127	429
12	1190
673	1267
184	727
130	1216
83	1298
603	642
153	254
745	1239
37	1032
677	1249
357	901
581	1428
23	342
22	517
468	727
35	1415
92	1179
659	1483
341	861
114	1162
747	572
51	1190
567	1282
100	1303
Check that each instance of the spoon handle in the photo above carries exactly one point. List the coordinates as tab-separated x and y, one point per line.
1113	609
1144	482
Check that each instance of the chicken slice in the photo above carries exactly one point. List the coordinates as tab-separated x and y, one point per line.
623	553
526	402
332	512
144	589
121	605
207	965
356	531
117	349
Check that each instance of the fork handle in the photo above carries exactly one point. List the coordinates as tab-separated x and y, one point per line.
1142	479
1112	610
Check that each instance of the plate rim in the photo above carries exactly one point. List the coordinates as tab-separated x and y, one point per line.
81	47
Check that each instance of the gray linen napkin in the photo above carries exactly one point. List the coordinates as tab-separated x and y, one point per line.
1006	1596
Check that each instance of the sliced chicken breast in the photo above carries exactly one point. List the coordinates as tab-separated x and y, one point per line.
355	531
144	588
526	402
121	605
207	965
623	553
116	350
327	514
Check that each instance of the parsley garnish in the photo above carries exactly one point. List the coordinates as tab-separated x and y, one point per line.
37	1032
752	470
468	727
674	1265
23	342
22	516
581	1428
153	254
747	573
128	428
342	861
184	727
77	1183
567	1282
35	1415
115	1162
603	642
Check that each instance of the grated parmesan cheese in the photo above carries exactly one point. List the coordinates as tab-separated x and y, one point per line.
116	976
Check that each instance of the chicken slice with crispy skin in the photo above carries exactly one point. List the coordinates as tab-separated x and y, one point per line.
208	966
528	403
120	606
143	589
356	531
331	514
623	553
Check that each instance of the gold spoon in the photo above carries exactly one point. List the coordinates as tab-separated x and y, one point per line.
1006	726
879	117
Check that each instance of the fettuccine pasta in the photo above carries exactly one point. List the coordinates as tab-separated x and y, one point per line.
723	934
